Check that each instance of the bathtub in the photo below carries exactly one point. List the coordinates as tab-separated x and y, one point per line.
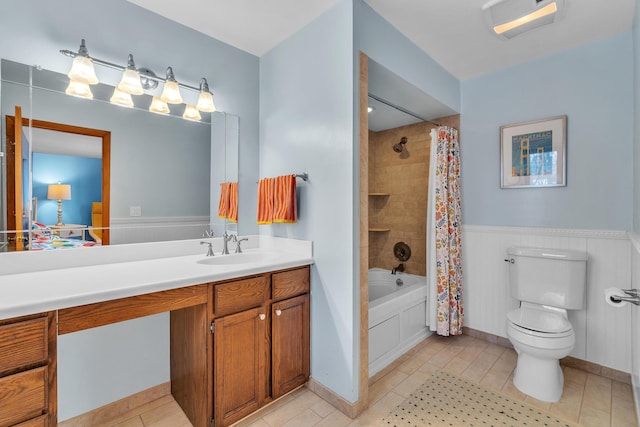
397	316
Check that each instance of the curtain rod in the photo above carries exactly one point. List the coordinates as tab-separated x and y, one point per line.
404	110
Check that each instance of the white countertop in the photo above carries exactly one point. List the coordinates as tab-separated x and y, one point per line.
43	281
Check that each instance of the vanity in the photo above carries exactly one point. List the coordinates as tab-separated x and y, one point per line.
239	323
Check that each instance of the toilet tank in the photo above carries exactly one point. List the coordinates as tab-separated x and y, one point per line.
552	277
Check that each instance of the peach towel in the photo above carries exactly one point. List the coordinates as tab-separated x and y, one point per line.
265	200
228	205
284	205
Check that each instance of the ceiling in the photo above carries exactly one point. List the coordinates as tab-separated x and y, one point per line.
452	32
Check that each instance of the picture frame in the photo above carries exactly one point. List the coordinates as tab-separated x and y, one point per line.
534	154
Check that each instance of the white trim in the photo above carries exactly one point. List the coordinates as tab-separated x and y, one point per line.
554	232
635	240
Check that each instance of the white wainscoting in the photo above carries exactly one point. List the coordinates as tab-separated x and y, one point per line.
603	333
155	229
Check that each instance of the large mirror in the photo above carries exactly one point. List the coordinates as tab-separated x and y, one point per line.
108	174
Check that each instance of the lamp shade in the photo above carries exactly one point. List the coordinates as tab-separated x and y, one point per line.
59	192
205	102
191	113
121	98
158	106
82	70
79	89
171	93
130	82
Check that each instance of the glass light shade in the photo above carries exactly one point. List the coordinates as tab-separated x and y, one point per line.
82	71
171	93
191	113
59	192
158	106
79	89
121	98
205	102
130	82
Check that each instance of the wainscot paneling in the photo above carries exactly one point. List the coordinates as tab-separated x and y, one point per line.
156	229
603	333
635	319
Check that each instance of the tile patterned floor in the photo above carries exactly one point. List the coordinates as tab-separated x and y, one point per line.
588	399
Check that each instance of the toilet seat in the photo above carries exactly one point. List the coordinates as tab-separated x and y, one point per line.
540	321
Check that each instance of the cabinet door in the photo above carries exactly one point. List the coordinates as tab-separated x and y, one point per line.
239	365
290	344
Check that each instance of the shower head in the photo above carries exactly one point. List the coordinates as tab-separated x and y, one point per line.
400	145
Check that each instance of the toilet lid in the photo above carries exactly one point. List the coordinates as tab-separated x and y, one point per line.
540	320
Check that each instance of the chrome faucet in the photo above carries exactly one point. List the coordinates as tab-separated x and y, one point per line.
207	233
210	249
225	241
238	248
399	268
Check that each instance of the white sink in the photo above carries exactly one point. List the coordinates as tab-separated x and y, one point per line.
243	258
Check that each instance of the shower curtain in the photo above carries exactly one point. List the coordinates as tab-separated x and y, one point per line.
444	248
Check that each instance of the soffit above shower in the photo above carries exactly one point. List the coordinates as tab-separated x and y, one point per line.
386	85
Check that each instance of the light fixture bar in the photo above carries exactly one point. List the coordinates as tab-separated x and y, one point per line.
549	9
108	64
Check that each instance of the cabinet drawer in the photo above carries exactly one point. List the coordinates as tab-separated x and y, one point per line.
23	343
36	422
239	295
290	283
22	396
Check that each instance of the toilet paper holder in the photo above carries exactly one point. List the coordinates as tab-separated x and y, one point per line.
632	296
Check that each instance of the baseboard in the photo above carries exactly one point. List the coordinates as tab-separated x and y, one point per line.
351	410
573	362
118	408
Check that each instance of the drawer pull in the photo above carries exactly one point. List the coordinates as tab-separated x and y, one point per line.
278	312
262	316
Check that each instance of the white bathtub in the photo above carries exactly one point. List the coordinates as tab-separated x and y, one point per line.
397	316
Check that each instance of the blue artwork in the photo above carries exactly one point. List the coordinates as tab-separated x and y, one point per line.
532	154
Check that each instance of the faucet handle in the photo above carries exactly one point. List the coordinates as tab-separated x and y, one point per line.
238	248
207	233
210	249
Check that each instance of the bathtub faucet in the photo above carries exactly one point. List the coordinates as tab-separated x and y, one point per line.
399	268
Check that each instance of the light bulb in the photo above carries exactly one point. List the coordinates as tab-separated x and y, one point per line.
191	113
82	71
158	106
121	98
205	102
130	82
79	89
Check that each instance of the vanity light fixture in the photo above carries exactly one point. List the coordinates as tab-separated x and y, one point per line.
158	106
191	113
135	82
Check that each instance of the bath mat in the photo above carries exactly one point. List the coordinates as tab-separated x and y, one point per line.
447	400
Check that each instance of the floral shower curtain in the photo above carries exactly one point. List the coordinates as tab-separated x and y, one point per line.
444	224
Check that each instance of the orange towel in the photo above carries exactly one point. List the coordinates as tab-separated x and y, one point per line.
265	200
284	209
232	214
223	205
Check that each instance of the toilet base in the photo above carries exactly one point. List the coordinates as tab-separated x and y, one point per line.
539	378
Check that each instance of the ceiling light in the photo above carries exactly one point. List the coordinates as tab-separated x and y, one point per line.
191	113
509	18
130	82
158	106
82	68
171	91
205	100
121	98
79	89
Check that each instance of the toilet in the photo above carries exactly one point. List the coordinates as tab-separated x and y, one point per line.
547	282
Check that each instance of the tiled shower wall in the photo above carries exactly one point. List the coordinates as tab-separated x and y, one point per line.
404	177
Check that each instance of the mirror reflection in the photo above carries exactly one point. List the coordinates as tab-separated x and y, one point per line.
126	175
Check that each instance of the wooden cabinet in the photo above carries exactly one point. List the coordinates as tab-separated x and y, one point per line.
28	387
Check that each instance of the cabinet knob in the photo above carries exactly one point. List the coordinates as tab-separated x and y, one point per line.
262	316
278	312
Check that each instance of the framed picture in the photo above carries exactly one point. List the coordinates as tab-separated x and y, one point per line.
534	154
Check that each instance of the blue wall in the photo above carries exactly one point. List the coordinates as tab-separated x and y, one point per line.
84	174
636	80
592	85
